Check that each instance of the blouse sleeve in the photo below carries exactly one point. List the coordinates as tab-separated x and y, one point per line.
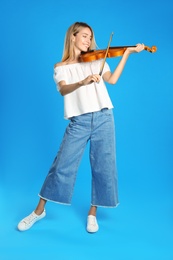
106	68
59	75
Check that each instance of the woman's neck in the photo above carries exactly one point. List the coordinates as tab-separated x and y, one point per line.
76	59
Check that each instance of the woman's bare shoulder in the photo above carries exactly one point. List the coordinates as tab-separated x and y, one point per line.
58	64
63	63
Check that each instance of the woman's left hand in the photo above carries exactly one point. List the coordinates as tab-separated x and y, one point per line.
139	47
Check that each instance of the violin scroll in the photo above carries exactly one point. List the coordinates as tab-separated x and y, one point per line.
152	49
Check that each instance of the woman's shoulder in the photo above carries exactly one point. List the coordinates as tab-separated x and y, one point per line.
63	64
59	64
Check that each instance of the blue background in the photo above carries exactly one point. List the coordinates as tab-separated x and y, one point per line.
32	126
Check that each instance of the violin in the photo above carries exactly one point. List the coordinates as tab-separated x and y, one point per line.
111	52
108	53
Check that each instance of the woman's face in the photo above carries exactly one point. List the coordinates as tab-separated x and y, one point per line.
82	39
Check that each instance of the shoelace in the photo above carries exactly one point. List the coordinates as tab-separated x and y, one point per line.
30	218
92	221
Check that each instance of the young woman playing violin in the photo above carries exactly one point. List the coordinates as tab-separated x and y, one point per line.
89	109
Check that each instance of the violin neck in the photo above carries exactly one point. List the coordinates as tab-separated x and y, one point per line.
118	47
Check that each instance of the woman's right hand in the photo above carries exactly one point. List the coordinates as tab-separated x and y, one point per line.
91	78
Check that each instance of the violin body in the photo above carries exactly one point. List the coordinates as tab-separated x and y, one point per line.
111	52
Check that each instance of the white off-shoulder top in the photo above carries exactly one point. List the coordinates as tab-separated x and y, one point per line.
85	99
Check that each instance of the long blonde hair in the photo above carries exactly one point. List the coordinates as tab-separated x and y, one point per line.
68	52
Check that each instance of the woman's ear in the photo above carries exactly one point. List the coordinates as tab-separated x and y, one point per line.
73	38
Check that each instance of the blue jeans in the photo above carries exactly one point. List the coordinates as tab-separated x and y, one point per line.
98	129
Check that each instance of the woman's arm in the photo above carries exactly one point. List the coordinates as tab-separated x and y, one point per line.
112	78
65	89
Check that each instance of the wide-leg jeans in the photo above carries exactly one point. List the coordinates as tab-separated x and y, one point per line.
98	129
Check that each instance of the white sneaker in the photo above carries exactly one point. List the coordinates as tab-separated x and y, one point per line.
92	225
27	222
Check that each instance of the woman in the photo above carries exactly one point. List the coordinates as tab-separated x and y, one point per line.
88	108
